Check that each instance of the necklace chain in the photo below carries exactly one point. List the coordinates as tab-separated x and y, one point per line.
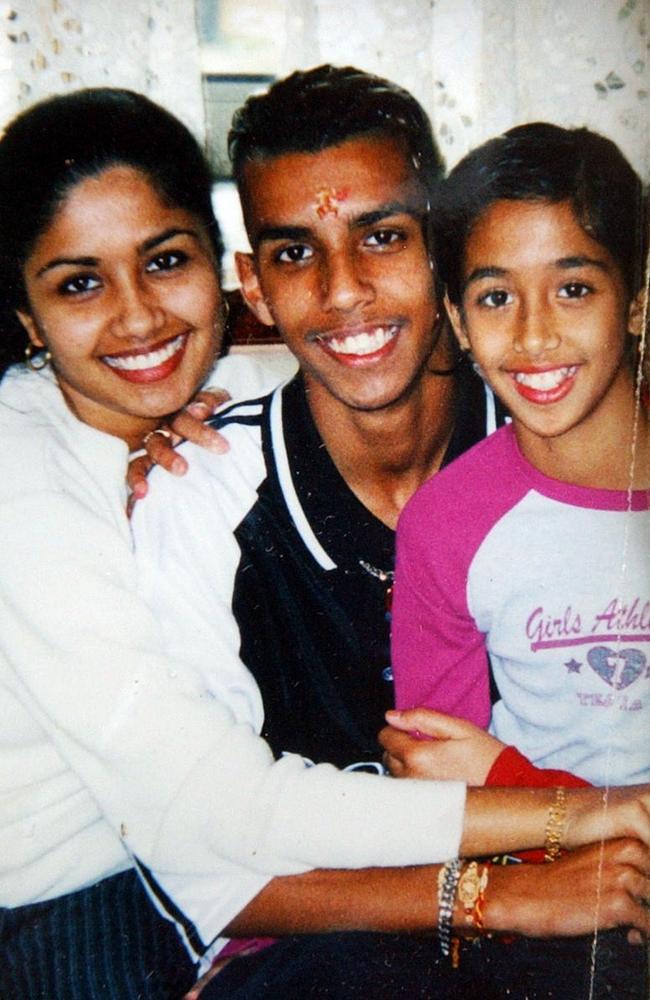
385	575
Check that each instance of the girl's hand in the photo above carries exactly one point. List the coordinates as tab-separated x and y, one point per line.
421	743
159	445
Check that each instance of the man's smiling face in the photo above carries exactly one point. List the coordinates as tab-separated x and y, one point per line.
340	265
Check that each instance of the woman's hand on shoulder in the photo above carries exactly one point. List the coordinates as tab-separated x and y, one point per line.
421	743
159	445
189	423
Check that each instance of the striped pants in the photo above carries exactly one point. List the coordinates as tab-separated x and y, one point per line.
106	942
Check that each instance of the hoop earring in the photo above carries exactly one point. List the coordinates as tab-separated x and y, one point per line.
38	363
466	352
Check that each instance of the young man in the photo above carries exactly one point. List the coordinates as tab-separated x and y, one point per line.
336	212
281	552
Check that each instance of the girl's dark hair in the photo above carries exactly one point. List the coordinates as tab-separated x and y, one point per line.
52	146
543	162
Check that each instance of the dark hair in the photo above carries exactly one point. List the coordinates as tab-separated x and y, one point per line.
312	110
543	162
52	146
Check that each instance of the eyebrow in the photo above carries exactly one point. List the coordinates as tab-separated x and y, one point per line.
484	272
144	247
580	261
62	261
267	233
385	211
562	264
270	233
168	234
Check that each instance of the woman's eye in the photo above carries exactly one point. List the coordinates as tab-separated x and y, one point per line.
78	284
385	238
297	253
574	290
166	261
495	299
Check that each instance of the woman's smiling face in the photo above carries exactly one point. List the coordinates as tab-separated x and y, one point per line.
123	291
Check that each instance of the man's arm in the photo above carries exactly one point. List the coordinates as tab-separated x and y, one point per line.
544	901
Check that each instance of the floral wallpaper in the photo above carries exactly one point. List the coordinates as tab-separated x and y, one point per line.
51	46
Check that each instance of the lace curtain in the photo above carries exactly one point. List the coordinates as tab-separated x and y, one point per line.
480	66
52	46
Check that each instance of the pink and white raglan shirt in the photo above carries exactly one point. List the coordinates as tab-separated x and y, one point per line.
553	582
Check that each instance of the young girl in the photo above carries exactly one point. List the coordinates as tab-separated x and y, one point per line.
535	546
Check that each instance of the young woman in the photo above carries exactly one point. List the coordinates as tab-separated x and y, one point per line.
109	263
112	763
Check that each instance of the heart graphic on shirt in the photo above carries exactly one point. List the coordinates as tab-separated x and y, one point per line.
618	668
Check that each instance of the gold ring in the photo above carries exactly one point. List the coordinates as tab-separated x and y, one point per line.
159	430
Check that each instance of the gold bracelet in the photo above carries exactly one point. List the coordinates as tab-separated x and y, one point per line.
471	893
555	826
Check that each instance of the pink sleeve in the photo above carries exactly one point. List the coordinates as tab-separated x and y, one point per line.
438	655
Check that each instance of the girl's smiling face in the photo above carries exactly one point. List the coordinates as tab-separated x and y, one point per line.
123	291
545	313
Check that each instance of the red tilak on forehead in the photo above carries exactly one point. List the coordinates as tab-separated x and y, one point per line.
327	200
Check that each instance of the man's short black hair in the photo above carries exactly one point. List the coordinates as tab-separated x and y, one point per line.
543	162
311	110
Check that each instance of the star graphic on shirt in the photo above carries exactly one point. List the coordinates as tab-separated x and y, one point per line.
573	666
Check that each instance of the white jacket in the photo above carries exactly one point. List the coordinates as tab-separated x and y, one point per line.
106	748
